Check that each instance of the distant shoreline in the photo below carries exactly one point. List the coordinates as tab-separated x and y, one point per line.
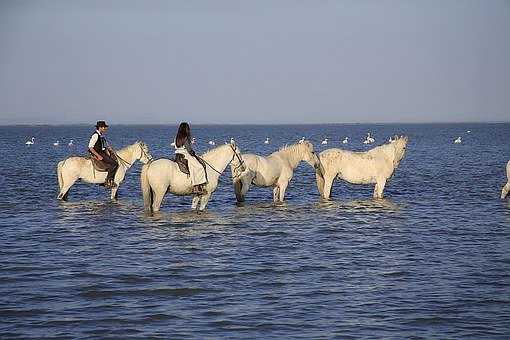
253	124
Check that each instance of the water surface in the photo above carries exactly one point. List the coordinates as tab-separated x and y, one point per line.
430	260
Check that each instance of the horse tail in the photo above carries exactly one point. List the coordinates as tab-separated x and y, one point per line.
146	188
59	175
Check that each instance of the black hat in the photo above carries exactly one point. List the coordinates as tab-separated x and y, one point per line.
101	123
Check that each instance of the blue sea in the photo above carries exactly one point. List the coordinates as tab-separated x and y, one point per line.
431	260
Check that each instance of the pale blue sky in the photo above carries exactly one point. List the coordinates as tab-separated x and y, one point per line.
254	61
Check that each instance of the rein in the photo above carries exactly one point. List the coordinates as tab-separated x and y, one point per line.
241	162
142	152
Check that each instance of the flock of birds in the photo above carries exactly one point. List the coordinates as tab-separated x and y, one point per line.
368	140
31	141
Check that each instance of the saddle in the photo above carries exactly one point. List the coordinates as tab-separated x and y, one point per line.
99	166
182	163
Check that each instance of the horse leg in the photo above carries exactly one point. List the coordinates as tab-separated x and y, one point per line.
204	199
276	194
114	193
328	184
505	190
283	187
158	198
194	202
379	188
66	186
119	178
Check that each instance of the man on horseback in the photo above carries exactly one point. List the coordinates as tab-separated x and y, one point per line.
196	168
101	151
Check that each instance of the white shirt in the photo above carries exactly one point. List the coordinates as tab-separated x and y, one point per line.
94	138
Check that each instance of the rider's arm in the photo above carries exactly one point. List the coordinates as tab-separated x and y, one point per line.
94	152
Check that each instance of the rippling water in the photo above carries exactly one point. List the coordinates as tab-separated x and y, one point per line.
430	260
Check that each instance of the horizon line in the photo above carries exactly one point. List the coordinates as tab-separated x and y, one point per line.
265	124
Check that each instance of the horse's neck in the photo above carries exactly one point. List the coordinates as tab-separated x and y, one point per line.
291	155
219	159
389	151
127	154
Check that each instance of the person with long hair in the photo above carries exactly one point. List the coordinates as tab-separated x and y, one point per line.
197	170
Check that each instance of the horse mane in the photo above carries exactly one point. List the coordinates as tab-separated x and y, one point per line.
381	147
214	150
388	148
129	146
293	148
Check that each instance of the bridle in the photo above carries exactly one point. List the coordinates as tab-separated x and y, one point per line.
241	161
142	153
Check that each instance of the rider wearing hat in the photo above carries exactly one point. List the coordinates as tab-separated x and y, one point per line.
101	151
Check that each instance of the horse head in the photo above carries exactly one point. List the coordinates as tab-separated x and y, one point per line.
308	154
399	144
237	162
145	155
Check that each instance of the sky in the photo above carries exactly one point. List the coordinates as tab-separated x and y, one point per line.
261	62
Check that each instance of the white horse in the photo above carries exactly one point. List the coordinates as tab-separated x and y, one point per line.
163	175
275	170
506	188
373	166
74	168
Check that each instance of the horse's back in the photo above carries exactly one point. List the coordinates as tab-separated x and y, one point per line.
354	167
164	173
161	166
75	162
266	169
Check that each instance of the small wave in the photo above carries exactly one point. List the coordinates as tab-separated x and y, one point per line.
176	292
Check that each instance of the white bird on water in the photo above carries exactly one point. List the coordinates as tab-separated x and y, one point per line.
458	140
266	141
325	141
346	140
31	141
70	142
193	140
302	140
212	142
369	139
57	143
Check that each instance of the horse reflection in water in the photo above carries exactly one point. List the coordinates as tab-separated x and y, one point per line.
375	166
74	168
358	205
163	175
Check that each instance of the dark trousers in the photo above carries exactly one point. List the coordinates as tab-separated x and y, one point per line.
111	166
